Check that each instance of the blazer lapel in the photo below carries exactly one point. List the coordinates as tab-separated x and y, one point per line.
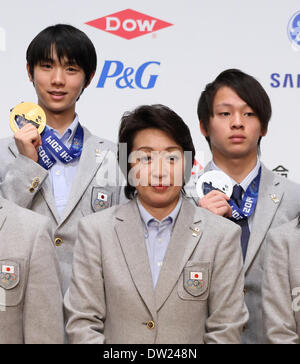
13	148
91	159
130	233
269	197
46	189
2	213
181	246
47	193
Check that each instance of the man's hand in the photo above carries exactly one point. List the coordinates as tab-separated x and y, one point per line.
216	202
28	140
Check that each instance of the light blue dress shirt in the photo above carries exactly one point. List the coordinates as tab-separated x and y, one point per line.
62	175
157	236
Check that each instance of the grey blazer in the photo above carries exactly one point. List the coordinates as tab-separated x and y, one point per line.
281	285
278	202
28	184
111	298
31	307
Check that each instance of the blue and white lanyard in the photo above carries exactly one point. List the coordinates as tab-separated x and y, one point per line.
52	145
249	201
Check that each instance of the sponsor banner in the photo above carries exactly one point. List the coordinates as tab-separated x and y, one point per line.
166	52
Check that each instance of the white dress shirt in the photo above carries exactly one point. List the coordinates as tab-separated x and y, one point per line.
62	175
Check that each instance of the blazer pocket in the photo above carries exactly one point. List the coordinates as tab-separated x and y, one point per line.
194	281
12	281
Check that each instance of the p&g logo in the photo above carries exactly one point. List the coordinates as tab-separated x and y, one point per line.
128	77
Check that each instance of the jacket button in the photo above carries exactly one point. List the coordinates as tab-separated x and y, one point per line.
150	325
58	241
245	290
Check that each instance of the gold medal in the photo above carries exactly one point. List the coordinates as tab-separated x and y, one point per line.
27	113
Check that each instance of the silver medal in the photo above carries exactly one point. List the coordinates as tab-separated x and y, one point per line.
214	180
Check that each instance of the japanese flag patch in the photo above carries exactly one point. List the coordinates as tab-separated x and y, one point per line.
196	275
9	274
8	269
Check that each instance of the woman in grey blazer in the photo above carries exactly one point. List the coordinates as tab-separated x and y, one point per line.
158	269
281	285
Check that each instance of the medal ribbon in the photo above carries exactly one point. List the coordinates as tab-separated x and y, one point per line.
249	200
52	145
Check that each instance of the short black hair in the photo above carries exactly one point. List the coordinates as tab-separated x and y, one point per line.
155	117
247	88
69	42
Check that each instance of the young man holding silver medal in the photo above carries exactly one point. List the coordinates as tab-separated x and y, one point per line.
234	111
57	173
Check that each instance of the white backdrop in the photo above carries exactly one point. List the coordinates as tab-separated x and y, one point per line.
205	38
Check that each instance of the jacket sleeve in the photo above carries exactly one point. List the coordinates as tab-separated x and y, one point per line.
21	179
84	302
43	320
227	310
278	316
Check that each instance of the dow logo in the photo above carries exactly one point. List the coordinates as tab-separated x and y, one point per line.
129	24
2	40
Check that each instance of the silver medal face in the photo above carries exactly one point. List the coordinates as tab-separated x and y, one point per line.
214	180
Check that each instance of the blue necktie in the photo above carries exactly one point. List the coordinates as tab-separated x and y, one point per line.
237	198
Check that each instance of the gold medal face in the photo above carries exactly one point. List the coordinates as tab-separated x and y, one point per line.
27	113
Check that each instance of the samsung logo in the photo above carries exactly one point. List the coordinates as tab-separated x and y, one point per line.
285	80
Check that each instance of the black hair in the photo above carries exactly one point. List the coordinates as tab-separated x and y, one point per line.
246	87
68	42
155	117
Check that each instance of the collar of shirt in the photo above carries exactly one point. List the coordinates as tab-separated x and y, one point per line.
149	220
246	181
69	133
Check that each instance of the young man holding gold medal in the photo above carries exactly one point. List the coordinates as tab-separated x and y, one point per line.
234	111
60	171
